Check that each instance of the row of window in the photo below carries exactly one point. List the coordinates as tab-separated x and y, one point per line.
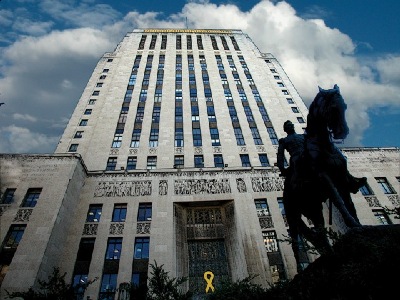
189	43
30	199
119	212
179	161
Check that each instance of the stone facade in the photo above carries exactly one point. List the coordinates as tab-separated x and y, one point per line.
228	219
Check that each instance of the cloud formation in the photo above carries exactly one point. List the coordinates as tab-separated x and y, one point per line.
44	70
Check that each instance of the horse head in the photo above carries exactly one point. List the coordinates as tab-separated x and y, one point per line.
333	108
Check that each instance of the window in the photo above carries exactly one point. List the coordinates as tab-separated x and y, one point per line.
300	120
117	141
96	93
280	84
141	250
73	148
31	197
119	213
256	136
245	160
106	70
109	60
285	92
92	101
263	160
382	217
153	140
366	190
197	141
281	206
239	136
8	196
270	241
261	207
198	161
151	162
108	286
215	137
178	161
272	135
290	100
295	110
78	134
178	137
94	213
99	84
218	161
136	138
111	164
9	247
144	212
83	122
131	163
88	112
385	185
13	237
85	251
114	247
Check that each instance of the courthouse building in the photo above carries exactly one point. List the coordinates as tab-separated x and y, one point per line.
169	157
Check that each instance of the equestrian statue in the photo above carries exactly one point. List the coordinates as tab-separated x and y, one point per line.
317	171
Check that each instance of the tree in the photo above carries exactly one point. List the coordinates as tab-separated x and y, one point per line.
161	287
55	288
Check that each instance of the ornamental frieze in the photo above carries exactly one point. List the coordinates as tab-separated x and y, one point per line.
143	227
267	184
202	186
23	215
372	201
123	188
116	228
241	185
90	229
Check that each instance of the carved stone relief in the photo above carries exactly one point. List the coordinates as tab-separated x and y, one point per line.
178	150
267	184
23	215
198	150
201	186
90	229
143	227
116	228
372	201
243	149
133	151
394	199
217	149
153	151
114	151
163	188
266	222
3	208
241	185
260	149
123	188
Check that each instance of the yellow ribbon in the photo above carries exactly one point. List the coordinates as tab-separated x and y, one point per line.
208	277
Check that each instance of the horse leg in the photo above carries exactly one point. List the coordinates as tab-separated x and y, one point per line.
335	197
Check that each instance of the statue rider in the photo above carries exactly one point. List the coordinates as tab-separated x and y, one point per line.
295	144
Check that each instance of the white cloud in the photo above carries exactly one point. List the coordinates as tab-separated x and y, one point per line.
24	117
22	140
54	68
31	27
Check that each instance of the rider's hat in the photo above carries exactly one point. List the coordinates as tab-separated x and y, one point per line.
288	126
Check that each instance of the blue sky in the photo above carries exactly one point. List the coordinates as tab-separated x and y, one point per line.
48	49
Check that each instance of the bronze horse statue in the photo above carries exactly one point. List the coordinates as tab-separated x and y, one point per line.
319	174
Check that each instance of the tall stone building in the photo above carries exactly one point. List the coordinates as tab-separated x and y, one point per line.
169	157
